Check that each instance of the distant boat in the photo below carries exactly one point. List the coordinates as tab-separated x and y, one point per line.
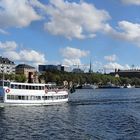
86	86
109	85
89	86
129	86
79	86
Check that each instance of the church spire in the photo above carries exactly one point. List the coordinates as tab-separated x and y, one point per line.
90	68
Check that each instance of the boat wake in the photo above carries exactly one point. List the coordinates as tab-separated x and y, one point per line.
104	101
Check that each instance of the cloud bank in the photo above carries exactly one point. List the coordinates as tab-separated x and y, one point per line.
110	58
75	20
131	2
17	13
72	55
11	50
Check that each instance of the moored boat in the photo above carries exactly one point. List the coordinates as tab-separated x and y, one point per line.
129	86
110	85
89	86
14	93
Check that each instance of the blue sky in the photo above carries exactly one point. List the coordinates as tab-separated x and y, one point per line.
71	32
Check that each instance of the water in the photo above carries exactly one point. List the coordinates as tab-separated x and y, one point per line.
102	114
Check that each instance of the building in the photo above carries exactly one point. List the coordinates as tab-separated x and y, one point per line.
63	68
77	70
126	73
6	66
29	72
43	68
90	68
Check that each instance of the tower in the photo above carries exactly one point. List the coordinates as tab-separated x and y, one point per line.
90	68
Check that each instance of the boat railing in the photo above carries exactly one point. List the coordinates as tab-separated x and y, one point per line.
57	89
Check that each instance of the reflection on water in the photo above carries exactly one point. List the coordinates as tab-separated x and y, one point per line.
91	114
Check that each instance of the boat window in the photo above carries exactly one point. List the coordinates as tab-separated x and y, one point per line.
7	84
45	97
38	97
55	97
16	97
8	96
36	87
32	97
12	97
19	86
27	87
25	97
30	87
50	97
46	86
19	97
12	86
22	97
16	86
1	83
1	98
23	86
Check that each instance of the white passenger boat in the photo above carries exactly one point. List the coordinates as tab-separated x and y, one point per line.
13	93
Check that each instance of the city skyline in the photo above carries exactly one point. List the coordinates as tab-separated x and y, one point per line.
71	32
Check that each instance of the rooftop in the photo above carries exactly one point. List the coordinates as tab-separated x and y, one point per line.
25	66
5	61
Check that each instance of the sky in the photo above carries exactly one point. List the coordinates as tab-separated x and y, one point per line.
71	32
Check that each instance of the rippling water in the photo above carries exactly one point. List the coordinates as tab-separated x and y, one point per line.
102	114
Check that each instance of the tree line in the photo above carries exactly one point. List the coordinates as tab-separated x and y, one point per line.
76	78
90	78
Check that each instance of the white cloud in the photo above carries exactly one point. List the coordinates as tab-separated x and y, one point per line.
111	58
11	50
36	3
32	56
17	13
3	32
131	2
75	20
114	65
12	55
126	31
8	45
27	56
73	53
72	56
72	62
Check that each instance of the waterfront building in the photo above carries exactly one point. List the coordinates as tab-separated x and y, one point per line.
64	68
126	73
6	66
27	70
77	70
43	68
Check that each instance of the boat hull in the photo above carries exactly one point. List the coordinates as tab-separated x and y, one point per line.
32	104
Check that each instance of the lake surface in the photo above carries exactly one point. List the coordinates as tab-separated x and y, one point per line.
101	114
